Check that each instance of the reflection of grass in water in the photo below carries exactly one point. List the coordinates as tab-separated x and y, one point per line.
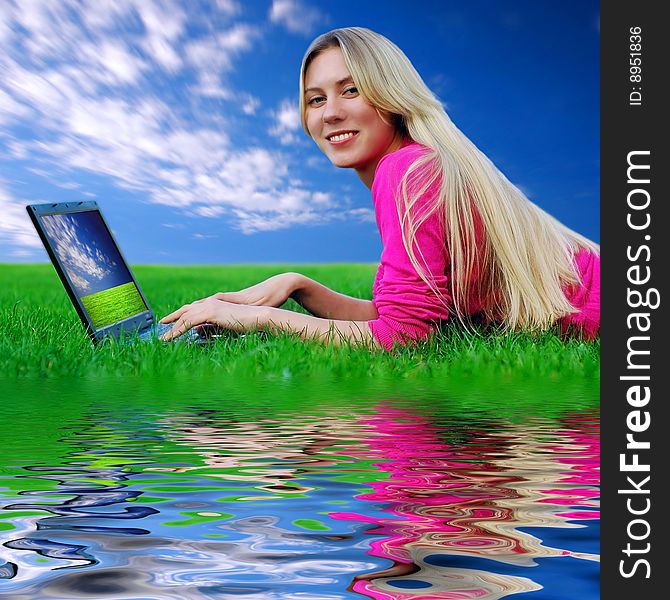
115	426
198	518
50	419
311	525
42	336
114	304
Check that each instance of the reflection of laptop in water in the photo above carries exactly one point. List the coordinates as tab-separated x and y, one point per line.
89	263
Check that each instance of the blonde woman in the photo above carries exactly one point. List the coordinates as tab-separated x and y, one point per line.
459	240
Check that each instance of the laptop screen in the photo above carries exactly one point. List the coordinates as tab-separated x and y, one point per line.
94	266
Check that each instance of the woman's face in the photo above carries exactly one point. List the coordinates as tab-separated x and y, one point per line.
347	129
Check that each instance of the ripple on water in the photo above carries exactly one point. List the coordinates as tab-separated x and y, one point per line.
387	498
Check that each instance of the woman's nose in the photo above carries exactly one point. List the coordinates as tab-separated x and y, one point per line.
333	111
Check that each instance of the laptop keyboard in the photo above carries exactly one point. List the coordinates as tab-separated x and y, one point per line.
158	329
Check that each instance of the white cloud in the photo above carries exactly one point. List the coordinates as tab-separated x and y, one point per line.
22	253
254	169
83	263
15	226
39	172
34	90
214	56
237	38
367	215
17	149
117	63
229	7
68	185
253	222
208	54
162	18
6	12
218	50
102	16
211	86
10	108
41	19
209	211
286	122
322	199
163	52
295	16
250	105
164	22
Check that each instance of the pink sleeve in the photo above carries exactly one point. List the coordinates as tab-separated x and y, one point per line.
407	308
585	297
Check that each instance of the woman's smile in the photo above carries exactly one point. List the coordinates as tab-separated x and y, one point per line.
340	138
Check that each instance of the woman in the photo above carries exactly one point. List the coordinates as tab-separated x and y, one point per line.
458	238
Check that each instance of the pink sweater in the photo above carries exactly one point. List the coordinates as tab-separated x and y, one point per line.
406	306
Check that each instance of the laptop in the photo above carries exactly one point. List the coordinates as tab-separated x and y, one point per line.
95	275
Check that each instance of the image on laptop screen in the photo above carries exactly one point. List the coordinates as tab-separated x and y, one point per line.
94	266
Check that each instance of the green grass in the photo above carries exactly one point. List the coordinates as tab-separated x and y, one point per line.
43	337
114	304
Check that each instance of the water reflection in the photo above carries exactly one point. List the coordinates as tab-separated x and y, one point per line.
284	495
474	498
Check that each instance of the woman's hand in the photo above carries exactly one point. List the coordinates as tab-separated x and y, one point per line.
242	317
212	311
271	292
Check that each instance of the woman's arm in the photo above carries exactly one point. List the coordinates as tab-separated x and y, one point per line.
308	327
316	298
243	317
328	304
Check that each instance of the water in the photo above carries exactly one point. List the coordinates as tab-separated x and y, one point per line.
295	491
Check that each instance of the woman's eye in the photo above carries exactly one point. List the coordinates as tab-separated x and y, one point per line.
315	100
351	90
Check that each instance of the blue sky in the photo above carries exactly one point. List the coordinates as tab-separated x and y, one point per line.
180	118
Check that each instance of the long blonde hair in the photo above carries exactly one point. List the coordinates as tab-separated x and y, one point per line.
526	257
